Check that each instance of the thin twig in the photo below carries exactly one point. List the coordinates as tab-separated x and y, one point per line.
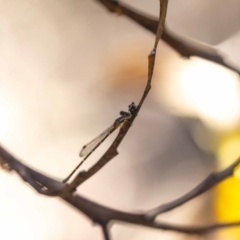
108	155
186	47
102	214
112	150
106	233
212	180
99	213
41	183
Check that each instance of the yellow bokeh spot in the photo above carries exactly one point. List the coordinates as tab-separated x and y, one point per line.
237	172
229	149
227	194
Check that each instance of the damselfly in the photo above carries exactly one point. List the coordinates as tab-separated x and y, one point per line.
89	148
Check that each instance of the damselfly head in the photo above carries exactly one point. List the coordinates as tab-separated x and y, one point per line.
124	114
132	108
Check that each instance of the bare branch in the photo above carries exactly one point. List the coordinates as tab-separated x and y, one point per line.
108	155
112	150
41	183
99	213
211	181
186	47
199	230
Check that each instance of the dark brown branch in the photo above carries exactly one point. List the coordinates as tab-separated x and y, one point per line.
112	151
99	213
186	47
199	230
41	183
211	181
106	233
108	156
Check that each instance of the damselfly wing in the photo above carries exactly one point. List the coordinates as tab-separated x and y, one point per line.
91	146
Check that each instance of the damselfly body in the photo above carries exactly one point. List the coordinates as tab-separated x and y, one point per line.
89	148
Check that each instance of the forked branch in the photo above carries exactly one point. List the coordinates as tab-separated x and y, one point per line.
186	47
112	150
104	215
212	180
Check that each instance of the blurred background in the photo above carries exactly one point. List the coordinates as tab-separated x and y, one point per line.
66	70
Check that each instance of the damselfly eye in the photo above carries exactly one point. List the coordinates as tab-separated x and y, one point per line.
132	107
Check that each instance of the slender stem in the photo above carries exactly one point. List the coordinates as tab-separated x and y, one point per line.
112	150
102	214
106	233
209	182
186	47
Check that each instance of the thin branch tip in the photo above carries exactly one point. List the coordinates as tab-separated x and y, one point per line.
184	46
209	182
